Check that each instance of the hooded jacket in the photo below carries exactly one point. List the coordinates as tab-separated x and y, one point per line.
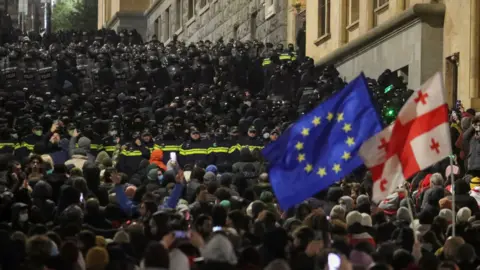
43	209
463	198
157	158
81	153
15	224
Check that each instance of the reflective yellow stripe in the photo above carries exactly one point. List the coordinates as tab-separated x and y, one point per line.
135	153
285	57
7	144
93	146
96	146
18	145
234	148
266	61
194	151
26	145
110	148
218	150
169	148
255	147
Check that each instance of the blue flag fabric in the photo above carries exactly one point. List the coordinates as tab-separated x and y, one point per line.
322	147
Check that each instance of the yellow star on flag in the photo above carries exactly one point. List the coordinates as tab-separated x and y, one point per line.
301	157
350	141
336	168
305	132
330	116
347	127
346	156
299	146
322	172
316	121
308	168
339	117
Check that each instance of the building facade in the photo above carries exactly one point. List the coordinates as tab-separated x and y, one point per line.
123	14
193	20
25	14
416	38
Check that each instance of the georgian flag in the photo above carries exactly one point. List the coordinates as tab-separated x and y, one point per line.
417	139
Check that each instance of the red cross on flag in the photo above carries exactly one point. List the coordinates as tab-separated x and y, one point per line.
417	139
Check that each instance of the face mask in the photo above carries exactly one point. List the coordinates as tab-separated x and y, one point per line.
14	136
23	217
477	128
38	132
113	133
70	132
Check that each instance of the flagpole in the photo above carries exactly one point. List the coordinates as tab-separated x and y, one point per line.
452	180
407	196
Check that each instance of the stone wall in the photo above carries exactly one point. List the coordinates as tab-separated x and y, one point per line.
219	18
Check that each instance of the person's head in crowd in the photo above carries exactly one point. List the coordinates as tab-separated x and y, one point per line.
156	257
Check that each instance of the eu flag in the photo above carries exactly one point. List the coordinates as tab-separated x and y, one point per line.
322	147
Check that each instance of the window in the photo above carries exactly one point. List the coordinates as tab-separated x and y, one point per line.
191	8
235	32
379	3
323	17
253	25
353	11
167	24
203	3
156	28
270	8
178	14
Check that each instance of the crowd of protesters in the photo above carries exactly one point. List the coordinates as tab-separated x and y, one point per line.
121	154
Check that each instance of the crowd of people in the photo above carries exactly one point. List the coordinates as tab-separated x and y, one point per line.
121	154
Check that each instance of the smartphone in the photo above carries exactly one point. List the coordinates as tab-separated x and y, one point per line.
181	234
216	228
187	175
173	156
334	261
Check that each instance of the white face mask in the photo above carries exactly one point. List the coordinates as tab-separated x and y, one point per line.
23	217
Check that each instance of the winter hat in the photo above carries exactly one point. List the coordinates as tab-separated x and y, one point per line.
130	191
97	258
403	214
84	143
337	212
475	182
226	204
464	214
209	177
121	237
354	217
255	208
347	202
366	220
211	168
446	214
220	249
266	197
363	199
153	175
100	241
445	203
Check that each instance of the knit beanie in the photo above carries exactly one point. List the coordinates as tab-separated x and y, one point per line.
446	214
354	217
366	220
97	258
363	199
464	214
121	237
84	143
100	241
403	214
337	212
211	168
